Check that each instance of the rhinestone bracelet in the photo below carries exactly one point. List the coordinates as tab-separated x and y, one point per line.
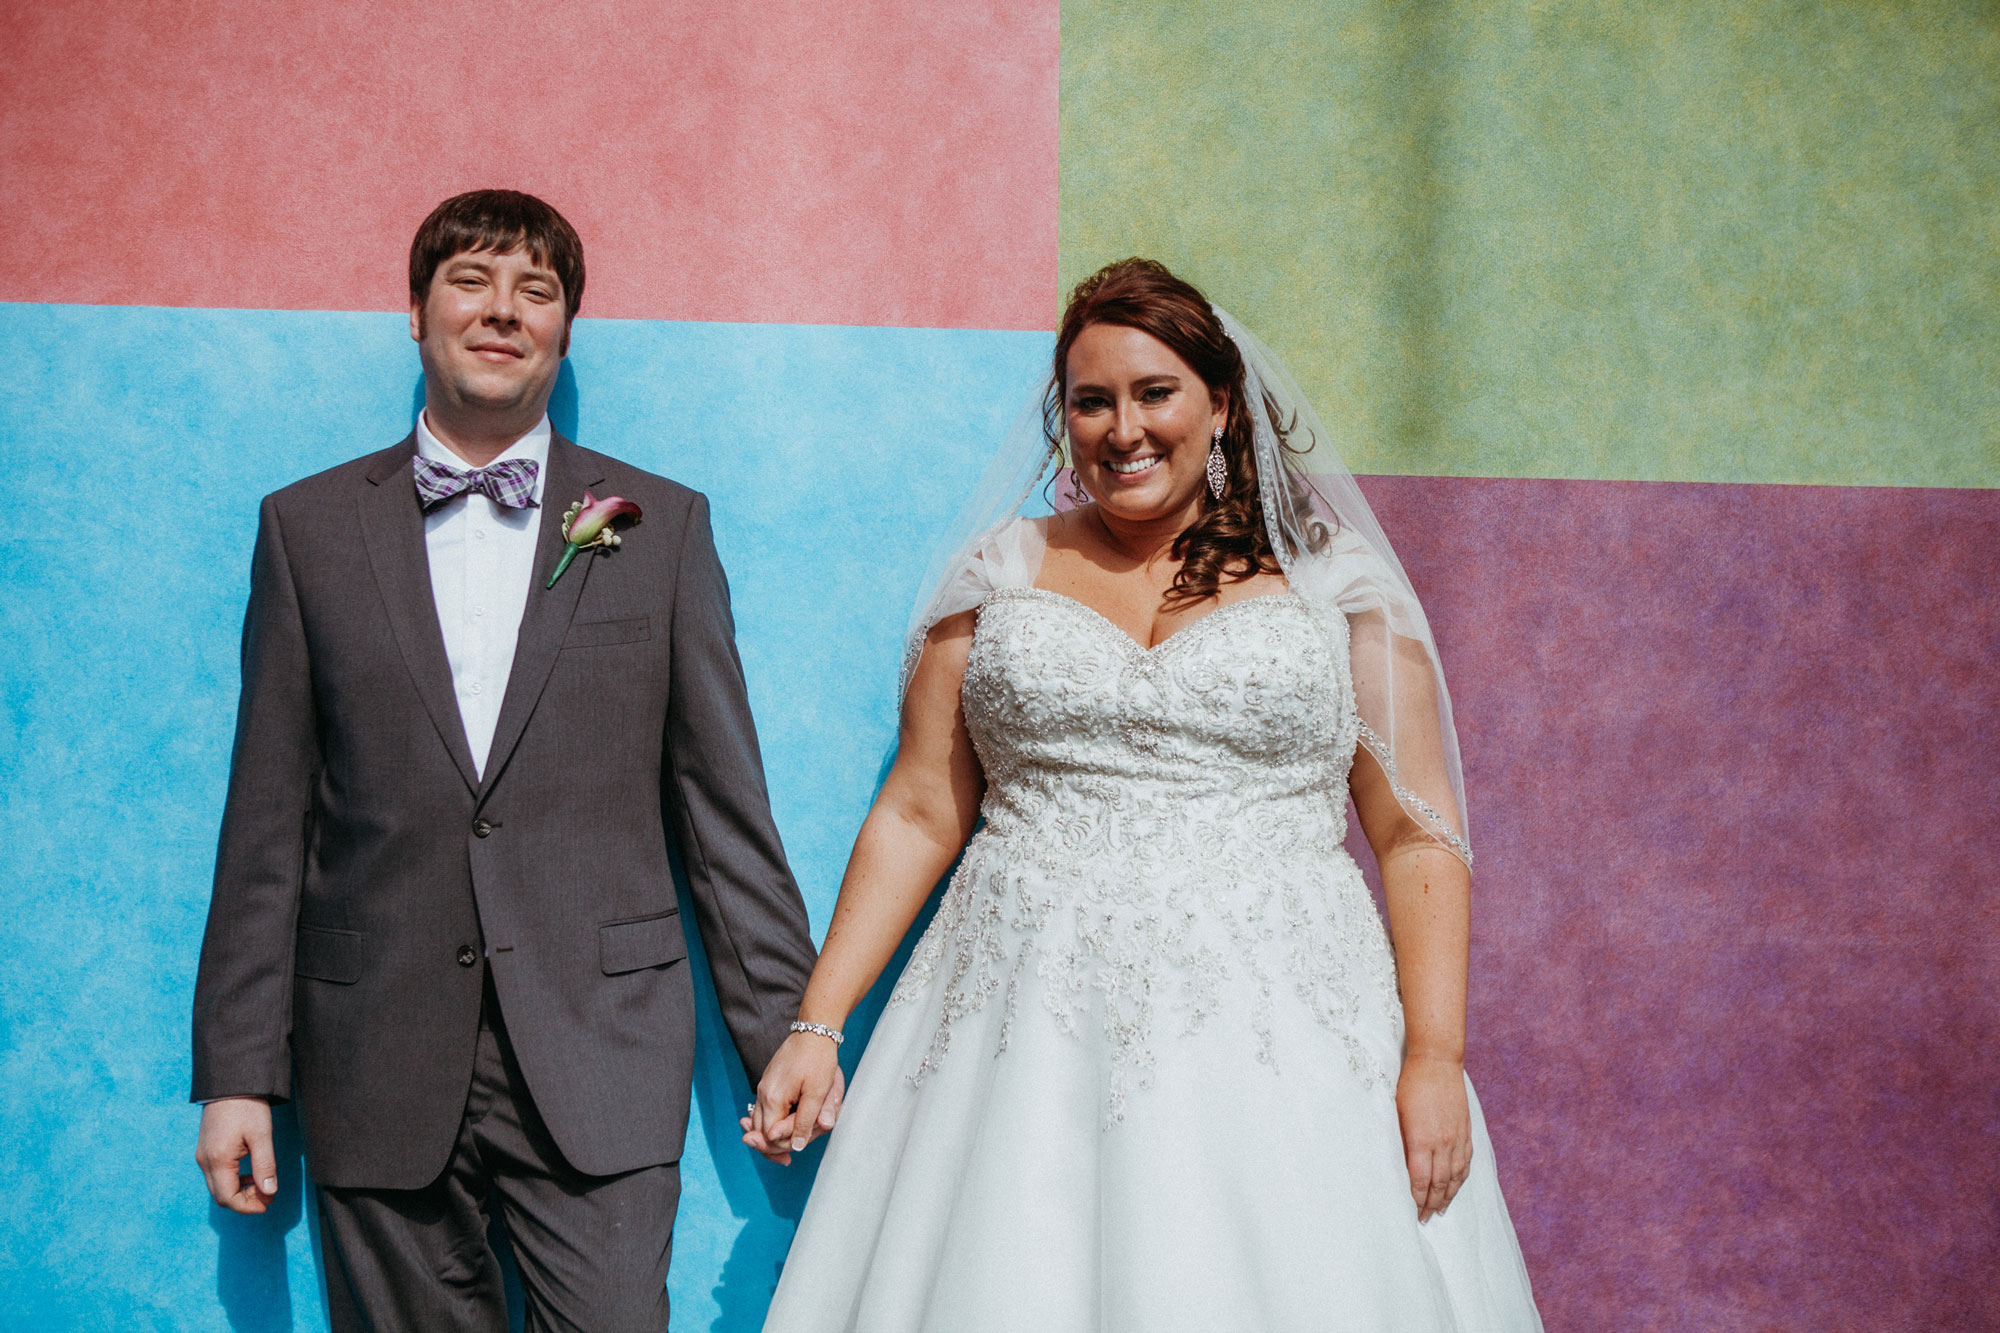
820	1029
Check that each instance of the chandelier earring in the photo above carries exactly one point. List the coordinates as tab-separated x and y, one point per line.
1077	495
1218	466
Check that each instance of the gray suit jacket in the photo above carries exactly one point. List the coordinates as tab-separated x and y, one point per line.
365	873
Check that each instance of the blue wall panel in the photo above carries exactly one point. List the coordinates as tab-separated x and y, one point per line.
136	444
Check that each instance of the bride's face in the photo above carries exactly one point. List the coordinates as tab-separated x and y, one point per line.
1140	422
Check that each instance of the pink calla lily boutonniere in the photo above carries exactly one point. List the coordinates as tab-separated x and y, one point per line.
588	523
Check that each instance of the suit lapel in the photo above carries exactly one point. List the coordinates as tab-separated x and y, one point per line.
545	620
392	526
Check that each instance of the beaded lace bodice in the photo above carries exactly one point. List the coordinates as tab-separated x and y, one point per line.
1250	702
1162	836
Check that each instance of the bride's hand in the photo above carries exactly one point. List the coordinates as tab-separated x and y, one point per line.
1437	1130
798	1099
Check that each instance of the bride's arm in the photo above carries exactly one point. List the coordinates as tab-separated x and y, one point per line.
1429	896
915	830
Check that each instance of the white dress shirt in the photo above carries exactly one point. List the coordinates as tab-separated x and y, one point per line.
482	558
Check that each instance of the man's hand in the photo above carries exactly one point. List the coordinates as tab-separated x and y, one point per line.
798	1099
231	1129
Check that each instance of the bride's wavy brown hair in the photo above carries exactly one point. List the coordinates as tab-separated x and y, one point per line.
1228	543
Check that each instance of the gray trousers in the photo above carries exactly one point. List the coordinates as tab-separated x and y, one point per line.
592	1250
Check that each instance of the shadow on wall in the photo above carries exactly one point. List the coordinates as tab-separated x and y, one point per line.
252	1277
768	1199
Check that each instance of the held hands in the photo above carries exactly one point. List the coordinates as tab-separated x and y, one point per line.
798	1099
231	1129
1437	1130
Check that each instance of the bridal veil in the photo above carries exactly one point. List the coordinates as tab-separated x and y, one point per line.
1331	549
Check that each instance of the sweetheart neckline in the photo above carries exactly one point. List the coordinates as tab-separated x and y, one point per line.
1144	650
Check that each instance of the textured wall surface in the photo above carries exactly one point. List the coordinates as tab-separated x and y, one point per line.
119	683
866	163
1730	749
1572	277
1730	755
1697	241
860	199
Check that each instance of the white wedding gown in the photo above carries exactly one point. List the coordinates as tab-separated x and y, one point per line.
1140	1074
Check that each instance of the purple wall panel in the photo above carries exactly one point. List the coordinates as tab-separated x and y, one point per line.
1731	755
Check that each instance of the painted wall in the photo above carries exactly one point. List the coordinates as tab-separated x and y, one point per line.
825	239
120	683
867	163
1582	273
1692	241
1668	330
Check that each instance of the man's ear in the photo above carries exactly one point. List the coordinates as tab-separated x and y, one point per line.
416	321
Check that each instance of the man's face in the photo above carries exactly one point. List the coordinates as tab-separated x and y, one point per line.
492	330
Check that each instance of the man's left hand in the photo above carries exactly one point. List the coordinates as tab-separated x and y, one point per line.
798	1099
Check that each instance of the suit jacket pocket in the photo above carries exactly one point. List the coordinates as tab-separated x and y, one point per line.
329	955
599	633
653	941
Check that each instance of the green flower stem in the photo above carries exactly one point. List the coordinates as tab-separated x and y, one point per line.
569	554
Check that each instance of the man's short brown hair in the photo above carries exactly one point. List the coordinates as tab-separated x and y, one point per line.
496	221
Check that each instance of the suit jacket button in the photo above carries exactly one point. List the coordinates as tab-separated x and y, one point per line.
480	828
467	956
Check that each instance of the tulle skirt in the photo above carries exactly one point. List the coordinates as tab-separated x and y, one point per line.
1033	1176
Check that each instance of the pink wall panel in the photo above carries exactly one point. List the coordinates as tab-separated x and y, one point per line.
744	160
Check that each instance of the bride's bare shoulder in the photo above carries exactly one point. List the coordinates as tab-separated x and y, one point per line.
1057	527
1059	535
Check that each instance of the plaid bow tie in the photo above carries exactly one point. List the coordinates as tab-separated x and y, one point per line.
510	483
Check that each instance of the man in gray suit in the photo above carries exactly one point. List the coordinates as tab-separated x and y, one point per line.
443	909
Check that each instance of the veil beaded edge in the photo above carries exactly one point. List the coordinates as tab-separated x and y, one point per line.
1327	542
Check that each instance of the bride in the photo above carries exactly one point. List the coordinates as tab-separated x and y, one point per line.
1156	1064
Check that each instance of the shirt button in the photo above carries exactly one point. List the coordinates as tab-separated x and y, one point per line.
480	828
467	956
478	535
477	687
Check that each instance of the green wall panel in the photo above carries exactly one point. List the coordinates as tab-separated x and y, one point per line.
1705	241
